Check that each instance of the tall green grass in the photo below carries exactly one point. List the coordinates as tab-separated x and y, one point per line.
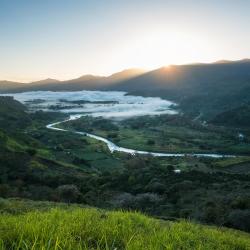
89	228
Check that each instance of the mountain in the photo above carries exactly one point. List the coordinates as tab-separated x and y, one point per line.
6	86
199	89
230	61
238	117
86	78
46	81
125	75
85	82
205	88
187	77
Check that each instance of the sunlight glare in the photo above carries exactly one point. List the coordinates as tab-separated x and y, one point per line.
154	49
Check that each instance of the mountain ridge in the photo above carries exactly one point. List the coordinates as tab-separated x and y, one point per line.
197	88
134	72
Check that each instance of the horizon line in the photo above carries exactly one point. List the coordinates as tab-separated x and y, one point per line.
220	61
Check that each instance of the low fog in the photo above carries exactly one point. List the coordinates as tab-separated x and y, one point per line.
108	104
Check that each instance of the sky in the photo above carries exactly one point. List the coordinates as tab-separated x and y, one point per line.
64	39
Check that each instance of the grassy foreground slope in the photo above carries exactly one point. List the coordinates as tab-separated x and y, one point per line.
73	227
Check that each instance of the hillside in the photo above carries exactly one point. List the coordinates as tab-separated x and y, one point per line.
201	88
89	228
26	163
238	117
40	164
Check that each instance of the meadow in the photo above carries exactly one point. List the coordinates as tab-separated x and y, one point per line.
72	227
165	133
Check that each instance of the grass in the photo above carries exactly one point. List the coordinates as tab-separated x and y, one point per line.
179	139
89	228
232	161
17	206
165	137
64	148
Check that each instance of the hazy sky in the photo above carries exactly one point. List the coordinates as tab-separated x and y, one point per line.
67	38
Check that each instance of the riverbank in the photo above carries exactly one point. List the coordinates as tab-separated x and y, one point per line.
113	147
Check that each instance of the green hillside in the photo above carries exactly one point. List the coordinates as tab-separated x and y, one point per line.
40	164
89	228
238	117
12	114
200	88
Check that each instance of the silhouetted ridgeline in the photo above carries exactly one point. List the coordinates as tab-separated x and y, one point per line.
199	88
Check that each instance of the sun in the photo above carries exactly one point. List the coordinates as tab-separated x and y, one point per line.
158	47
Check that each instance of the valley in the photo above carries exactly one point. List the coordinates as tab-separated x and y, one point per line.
124	125
42	164
179	140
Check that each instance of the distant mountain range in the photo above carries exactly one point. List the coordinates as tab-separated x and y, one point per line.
88	82
198	88
166	78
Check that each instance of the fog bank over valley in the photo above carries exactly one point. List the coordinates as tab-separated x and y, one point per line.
108	104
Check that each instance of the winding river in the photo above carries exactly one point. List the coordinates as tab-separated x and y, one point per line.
113	147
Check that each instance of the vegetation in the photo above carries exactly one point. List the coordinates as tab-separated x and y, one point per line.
88	228
166	133
199	89
239	117
40	164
